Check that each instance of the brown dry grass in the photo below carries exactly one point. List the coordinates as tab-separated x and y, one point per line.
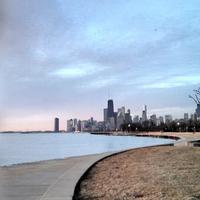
167	173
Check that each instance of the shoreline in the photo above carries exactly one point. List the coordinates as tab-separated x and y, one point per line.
140	134
179	137
41	162
188	137
50	183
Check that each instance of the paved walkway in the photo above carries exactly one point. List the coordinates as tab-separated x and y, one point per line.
186	138
47	180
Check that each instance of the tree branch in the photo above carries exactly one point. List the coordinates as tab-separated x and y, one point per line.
190	96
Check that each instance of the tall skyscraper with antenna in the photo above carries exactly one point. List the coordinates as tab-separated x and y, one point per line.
109	116
110	111
144	114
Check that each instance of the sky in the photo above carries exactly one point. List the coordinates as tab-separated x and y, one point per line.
65	58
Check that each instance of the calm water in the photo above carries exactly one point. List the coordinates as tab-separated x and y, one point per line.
23	148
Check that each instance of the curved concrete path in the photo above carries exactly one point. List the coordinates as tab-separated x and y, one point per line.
46	180
185	138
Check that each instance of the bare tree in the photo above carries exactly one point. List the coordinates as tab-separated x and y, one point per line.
196	96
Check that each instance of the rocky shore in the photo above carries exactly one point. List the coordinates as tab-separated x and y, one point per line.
148	173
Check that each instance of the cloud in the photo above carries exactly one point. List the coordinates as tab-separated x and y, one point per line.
99	83
176	81
89	46
77	70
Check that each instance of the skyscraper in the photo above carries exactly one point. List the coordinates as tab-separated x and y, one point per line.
110	112
153	119
186	117
128	118
144	114
56	125
145	109
198	110
136	119
70	127
160	120
168	119
105	114
120	118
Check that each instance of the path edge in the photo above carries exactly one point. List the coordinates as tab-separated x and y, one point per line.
83	176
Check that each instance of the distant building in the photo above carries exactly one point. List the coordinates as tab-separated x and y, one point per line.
111	122
83	125
123	110
78	126
105	114
128	118
88	125
56	125
100	126
115	117
136	119
92	121
198	111
160	120
109	116
120	119
193	117
75	123
110	112
153	119
168	119
186	117
70	127
123	117
144	114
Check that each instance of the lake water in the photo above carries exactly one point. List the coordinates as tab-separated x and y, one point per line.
23	148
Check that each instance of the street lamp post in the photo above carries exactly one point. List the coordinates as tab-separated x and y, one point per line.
178	123
129	127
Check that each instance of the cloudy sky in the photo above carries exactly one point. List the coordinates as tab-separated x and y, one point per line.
66	57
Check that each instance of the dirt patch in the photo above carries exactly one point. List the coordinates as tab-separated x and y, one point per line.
167	173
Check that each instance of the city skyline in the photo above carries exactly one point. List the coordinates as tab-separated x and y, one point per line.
132	118
62	118
115	120
62	58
